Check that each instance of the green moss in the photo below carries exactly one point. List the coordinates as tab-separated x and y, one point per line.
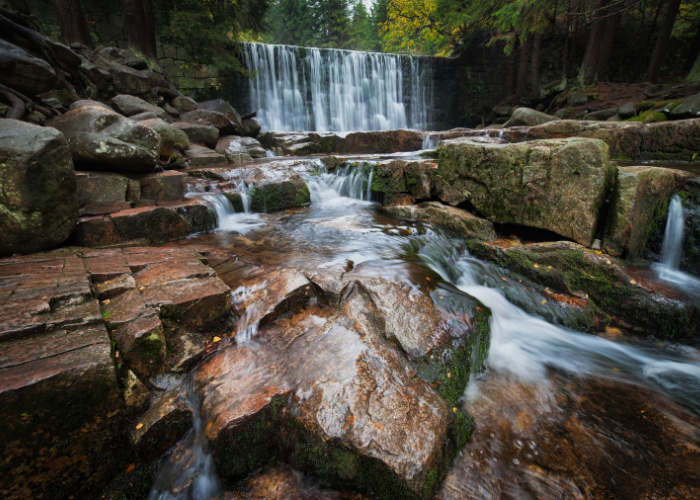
648	117
644	106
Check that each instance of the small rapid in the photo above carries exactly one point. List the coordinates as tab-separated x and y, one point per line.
525	347
349	185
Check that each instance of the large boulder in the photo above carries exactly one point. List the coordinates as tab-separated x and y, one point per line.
233	146
528	117
197	133
642	195
211	118
690	108
125	79
37	188
129	105
183	104
558	185
101	139
165	131
223	107
24	72
251	127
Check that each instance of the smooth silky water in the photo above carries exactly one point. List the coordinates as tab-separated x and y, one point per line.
559	413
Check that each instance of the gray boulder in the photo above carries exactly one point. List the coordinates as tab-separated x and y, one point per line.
626	111
233	146
125	79
211	118
129	105
184	104
202	134
690	108
528	117
165	131
38	196
101	139
100	77
251	127
503	110
87	102
24	72
577	99
601	115
223	107
182	142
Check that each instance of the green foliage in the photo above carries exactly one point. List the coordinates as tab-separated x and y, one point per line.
208	29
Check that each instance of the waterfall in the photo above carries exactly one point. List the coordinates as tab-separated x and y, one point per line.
336	90
672	253
339	189
672	248
227	217
430	142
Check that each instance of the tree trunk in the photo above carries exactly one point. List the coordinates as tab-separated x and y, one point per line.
535	66
654	70
693	51
511	77
72	22
590	59
521	88
694	75
606	46
140	29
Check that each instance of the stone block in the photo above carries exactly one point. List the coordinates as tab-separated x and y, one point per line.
164	186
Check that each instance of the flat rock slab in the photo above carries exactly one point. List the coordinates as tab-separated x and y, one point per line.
201	156
304	143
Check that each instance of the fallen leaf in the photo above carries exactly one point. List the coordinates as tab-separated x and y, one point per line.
130	468
632	282
611	330
210	424
537	265
449	375
105	302
549	267
427	278
216	339
544	301
479	308
598	252
454	409
138	426
503	279
142	289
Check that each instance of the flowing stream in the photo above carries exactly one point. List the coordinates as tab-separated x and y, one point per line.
337	90
560	413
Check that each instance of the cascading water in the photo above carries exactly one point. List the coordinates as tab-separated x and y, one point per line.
672	252
523	346
336	90
329	190
227	217
188	472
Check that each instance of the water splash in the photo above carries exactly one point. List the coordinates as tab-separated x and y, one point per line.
348	184
227	217
430	142
188	472
336	90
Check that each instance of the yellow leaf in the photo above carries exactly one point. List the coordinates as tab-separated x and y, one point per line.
632	282
142	289
549	267
138	426
544	301
449	375
598	252
216	339
454	409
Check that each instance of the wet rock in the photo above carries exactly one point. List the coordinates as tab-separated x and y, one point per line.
185	350
446	193
164	423
165	131
141	343
125	79
275	187
111	288
210	118
200	156
251	127
529	117
555	185
184	104
223	107
170	110
569	268
136	394
129	105
454	221
234	146
690	108
24	72
58	389
377	142
627	111
503	110
93	231
164	186
155	224
642	195
38	200
101	139
101	193
201	134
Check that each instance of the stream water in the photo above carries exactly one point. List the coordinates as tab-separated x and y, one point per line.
560	413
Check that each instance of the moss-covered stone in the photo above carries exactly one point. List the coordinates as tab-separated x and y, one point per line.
558	185
274	196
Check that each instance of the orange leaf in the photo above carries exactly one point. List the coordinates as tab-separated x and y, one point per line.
427	278
130	468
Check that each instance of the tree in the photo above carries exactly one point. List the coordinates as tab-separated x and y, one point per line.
292	23
654	70
140	28
590	58
72	22
378	16
606	45
360	28
333	22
